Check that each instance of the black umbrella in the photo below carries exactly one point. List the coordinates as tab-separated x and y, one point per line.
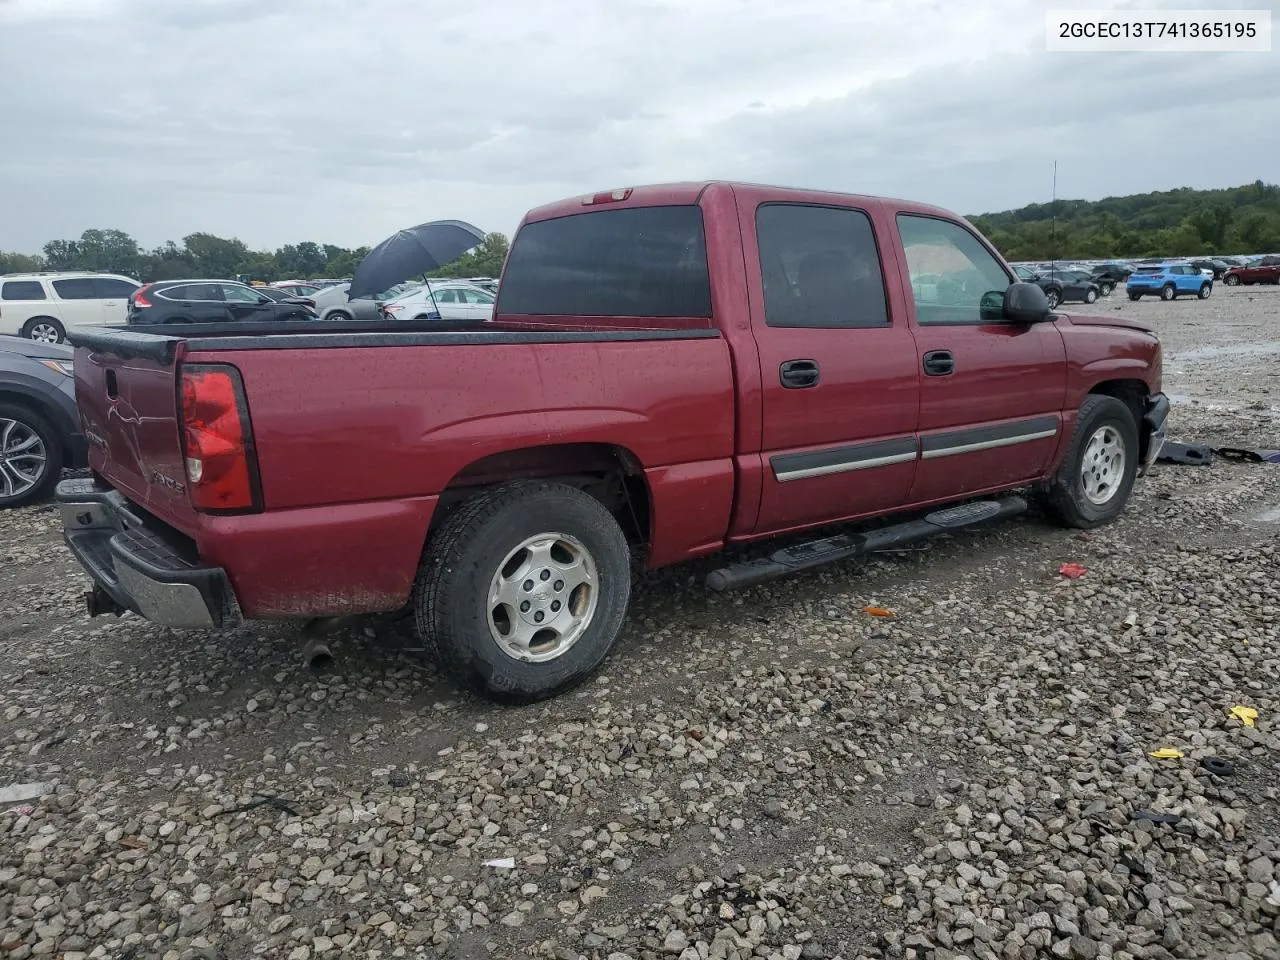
411	253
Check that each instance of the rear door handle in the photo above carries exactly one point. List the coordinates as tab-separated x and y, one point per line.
939	363
796	374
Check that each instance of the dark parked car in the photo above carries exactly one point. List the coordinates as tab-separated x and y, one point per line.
1219	267
39	425
209	301
1061	286
283	296
1114	273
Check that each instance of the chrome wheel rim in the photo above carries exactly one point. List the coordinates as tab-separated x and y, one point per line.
543	597
1102	467
45	333
23	458
1053	300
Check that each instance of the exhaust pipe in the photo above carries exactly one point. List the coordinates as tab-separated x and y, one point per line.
317	655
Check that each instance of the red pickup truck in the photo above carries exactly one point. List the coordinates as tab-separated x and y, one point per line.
670	369
1265	270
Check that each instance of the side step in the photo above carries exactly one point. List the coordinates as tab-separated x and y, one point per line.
815	553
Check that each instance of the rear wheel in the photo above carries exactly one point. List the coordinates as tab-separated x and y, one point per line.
1091	295
1107	289
30	456
1206	291
44	330
1096	477
523	589
1168	293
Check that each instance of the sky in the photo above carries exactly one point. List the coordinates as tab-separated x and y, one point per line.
341	121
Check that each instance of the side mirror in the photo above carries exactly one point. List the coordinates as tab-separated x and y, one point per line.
1025	303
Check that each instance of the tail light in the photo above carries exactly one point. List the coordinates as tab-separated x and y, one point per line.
217	440
139	296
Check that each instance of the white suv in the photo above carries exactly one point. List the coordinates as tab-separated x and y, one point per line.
40	306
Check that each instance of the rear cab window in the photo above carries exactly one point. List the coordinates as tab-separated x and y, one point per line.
819	267
22	290
634	262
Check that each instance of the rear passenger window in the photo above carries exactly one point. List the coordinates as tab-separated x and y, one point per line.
78	288
641	262
22	290
111	289
950	269
820	267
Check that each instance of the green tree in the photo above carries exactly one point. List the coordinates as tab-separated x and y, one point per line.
214	256
485	260
20	263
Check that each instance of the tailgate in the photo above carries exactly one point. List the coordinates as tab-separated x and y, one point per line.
129	412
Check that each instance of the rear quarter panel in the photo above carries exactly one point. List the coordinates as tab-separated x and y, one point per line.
355	444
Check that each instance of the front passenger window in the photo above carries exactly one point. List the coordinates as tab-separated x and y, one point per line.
951	270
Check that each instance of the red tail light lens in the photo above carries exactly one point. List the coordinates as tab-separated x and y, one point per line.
217	440
140	296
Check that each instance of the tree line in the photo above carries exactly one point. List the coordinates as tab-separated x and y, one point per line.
203	255
1173	223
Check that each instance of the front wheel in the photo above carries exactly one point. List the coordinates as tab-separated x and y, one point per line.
1135	296
1096	477
1206	291
523	589
30	456
1168	293
1054	298
338	316
1231	281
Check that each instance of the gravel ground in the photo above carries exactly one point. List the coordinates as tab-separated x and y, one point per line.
774	774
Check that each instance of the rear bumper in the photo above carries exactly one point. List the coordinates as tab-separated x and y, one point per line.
135	567
1154	418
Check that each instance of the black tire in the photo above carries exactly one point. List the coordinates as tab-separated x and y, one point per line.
1108	289
1168	292
52	442
1231	280
1054	296
339	316
1091	295
1135	296
467	551
1206	291
1065	501
28	328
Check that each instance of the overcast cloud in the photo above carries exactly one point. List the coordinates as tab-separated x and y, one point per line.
342	120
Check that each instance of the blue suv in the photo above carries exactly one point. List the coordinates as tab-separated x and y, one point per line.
1167	281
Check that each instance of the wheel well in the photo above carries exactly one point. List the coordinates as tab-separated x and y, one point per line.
610	473
42	408
1133	394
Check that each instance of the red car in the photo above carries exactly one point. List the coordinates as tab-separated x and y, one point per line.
1266	270
670	369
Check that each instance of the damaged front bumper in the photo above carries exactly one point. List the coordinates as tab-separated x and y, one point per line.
135	565
1154	418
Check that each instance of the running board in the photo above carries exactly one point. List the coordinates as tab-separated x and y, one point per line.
815	553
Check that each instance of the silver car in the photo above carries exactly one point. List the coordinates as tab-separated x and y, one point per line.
332	303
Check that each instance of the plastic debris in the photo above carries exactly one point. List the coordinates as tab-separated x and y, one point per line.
502	863
1246	715
1273	897
22	810
1155	817
16	792
1168	753
878	611
1072	571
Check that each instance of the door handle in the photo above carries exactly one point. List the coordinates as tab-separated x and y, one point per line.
796	374
939	363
